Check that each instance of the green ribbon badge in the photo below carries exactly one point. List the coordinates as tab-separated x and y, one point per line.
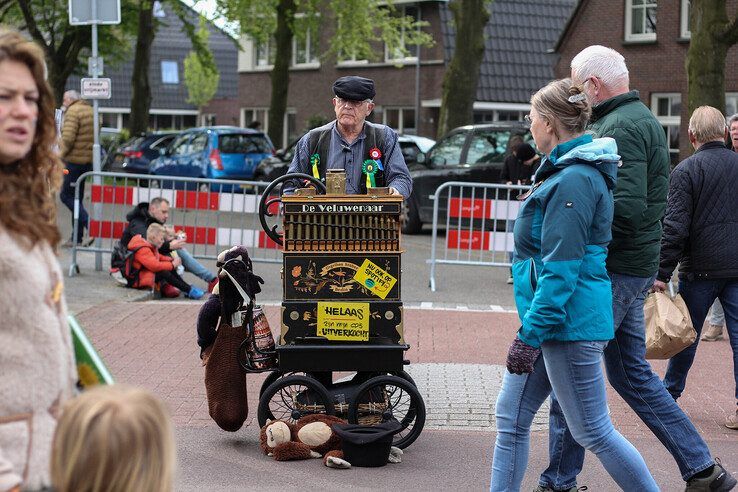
314	162
369	168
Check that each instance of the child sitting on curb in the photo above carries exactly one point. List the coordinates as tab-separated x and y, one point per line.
153	267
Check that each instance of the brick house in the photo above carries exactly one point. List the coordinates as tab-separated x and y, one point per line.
517	62
654	40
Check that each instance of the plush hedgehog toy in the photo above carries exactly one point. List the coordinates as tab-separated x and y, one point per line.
225	379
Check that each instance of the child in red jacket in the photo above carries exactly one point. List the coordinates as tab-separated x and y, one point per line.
154	267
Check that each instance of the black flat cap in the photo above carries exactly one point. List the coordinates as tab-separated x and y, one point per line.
354	88
525	152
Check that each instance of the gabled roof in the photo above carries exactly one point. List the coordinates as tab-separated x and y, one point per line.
518	41
171	43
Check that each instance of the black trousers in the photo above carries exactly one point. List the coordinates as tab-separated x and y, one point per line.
174	279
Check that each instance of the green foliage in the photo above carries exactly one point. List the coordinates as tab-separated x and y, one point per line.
357	24
201	79
316	120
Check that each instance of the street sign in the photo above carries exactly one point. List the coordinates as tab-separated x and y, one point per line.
95	89
95	66
107	12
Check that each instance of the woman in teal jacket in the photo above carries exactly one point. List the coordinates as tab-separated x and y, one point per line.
563	295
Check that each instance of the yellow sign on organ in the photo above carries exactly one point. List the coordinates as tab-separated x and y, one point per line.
375	279
348	321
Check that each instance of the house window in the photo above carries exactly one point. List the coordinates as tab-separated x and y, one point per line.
667	109
684	22
640	20
731	104
400	119
305	44
207	119
265	54
412	51
169	72
250	115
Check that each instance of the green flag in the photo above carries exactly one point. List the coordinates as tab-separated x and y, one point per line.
90	367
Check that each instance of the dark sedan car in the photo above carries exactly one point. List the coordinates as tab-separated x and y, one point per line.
135	155
473	153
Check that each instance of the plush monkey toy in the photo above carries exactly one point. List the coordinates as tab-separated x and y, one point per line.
310	437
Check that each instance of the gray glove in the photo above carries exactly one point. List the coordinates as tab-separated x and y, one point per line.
521	357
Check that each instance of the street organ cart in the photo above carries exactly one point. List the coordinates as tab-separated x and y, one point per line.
341	310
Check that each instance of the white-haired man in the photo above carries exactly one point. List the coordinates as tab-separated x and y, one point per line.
700	235
632	263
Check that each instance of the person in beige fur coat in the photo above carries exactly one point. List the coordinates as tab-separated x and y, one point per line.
37	362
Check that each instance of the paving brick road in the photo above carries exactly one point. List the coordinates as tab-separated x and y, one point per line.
457	360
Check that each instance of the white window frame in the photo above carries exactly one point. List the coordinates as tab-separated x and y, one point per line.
629	35
684	31
728	97
400	128
309	44
176	71
261	111
257	65
205	119
406	59
667	120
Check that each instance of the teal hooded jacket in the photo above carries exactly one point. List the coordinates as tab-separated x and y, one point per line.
562	289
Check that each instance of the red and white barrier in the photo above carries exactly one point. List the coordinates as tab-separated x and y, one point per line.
479	208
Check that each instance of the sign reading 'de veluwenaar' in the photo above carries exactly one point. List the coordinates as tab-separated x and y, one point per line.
374	278
342	208
348	321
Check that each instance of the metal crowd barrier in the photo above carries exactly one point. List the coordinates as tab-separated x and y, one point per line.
478	224
214	213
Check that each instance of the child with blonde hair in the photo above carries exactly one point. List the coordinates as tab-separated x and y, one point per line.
115	439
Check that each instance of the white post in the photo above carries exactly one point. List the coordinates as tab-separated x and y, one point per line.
97	207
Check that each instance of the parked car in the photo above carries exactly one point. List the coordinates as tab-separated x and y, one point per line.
275	166
473	153
215	152
135	155
412	145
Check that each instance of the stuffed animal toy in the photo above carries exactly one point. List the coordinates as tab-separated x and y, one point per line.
225	379
311	436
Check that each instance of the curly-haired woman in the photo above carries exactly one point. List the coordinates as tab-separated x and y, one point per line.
37	363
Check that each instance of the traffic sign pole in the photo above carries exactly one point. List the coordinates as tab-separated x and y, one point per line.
97	207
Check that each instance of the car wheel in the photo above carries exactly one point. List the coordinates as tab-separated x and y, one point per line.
411	223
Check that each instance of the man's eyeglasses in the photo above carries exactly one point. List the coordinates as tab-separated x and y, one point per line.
349	103
528	119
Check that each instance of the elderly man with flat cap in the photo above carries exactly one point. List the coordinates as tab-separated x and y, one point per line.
367	152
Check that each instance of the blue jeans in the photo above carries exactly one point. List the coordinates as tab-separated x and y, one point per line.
717	316
193	266
66	195
573	371
632	377
699	296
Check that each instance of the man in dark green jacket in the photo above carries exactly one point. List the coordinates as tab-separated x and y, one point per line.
632	263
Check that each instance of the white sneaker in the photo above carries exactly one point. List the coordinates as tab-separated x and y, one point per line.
509	280
118	277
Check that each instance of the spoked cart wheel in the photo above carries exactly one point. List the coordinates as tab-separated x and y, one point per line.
269	201
273	376
292	397
383	397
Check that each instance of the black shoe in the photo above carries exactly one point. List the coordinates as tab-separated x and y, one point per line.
718	481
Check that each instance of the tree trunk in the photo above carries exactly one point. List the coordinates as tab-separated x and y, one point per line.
141	97
281	71
462	75
708	48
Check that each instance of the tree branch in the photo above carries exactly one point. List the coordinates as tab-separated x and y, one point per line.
31	25
730	36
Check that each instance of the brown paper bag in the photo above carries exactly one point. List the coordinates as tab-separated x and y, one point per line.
669	328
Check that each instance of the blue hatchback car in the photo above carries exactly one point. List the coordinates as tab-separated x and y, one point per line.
216	152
